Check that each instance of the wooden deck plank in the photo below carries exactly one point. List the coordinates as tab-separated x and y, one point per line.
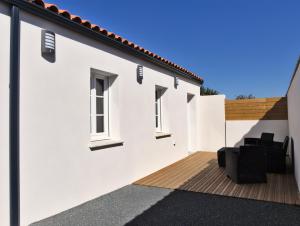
199	172
169	172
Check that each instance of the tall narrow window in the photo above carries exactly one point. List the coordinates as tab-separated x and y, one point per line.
158	124
99	107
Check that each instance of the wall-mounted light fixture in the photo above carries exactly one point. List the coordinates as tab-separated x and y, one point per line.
176	81
139	72
48	45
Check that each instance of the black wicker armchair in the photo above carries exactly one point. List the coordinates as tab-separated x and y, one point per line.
265	139
276	156
246	165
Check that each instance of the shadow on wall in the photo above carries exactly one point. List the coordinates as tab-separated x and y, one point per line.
271	121
277	112
261	127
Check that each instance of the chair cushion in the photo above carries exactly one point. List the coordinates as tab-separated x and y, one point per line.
267	136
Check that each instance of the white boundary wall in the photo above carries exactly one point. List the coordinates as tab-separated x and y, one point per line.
294	119
58	170
237	130
4	113
212	122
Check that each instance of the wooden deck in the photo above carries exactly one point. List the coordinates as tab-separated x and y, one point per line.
200	172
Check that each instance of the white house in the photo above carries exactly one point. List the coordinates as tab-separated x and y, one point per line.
87	111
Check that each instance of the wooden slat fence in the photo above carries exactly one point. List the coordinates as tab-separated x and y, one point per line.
257	109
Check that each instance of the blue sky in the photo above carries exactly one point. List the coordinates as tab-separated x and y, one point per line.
237	46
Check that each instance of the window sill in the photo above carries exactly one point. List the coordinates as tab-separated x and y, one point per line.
102	144
160	135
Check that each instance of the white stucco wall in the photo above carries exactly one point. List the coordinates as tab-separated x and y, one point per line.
237	130
58	170
212	122
4	115
294	120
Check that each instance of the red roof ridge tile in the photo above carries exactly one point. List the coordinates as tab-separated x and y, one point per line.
51	7
96	28
86	23
64	13
76	19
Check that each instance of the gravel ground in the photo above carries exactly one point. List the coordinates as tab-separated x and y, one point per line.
140	205
115	208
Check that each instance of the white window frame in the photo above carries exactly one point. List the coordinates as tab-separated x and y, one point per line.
158	103
93	115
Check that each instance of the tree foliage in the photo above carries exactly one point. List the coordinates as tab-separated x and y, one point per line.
204	91
241	97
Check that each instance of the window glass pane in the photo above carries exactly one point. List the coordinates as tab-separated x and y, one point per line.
156	121
156	109
99	105
99	87
100	124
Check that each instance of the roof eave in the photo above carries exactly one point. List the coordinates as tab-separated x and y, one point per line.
294	74
49	15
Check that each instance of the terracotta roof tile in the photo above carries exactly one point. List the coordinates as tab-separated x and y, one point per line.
111	34
51	7
39	2
96	28
125	41
64	13
119	38
76	19
86	23
103	31
131	44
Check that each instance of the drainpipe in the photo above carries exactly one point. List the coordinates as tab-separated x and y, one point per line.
14	106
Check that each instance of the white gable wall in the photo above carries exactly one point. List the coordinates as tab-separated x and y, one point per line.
4	113
58	170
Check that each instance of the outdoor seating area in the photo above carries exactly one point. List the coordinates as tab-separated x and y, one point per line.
275	151
251	162
200	172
